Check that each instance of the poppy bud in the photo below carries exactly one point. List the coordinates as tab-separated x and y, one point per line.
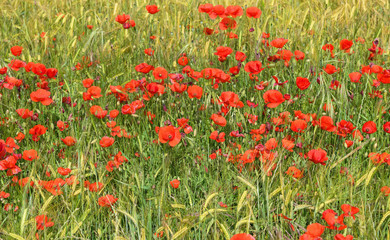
34	117
126	25
268	126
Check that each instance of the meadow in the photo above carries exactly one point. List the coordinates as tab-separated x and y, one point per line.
163	119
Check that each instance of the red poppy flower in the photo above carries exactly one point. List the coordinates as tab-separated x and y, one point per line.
63	171
384	77
218	137
24	113
3	70
317	156
299	55
42	96
106	141
330	217
37	131
223	52
234	11
253	12
98	111
69	141
87	83
314	231
328	47
279	42
242	236
107	201
43	221
240	56
326	123
149	51
160	73
114	113
144	68
227	23
285	55
346	44
376	69
122	18
16	50
182	61
271	144
195	91
218	119
369	127
230	99
51	73
169	134
208	31
253	67
9	164
179	88
2	150
175	183
218	10
341	237
4	195
349	210
355	77
273	98
39	69
302	83
344	127
348	143
10	145
205	8
155	88
152	9
298	125
132	107
330	69
62	125
16	64
357	135
93	92
386	127
294	172
288	144
19	137
385	190
30	155
93	187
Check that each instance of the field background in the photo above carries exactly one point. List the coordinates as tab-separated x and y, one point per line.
147	204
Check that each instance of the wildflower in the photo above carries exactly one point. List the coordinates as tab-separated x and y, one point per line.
43	221
175	183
